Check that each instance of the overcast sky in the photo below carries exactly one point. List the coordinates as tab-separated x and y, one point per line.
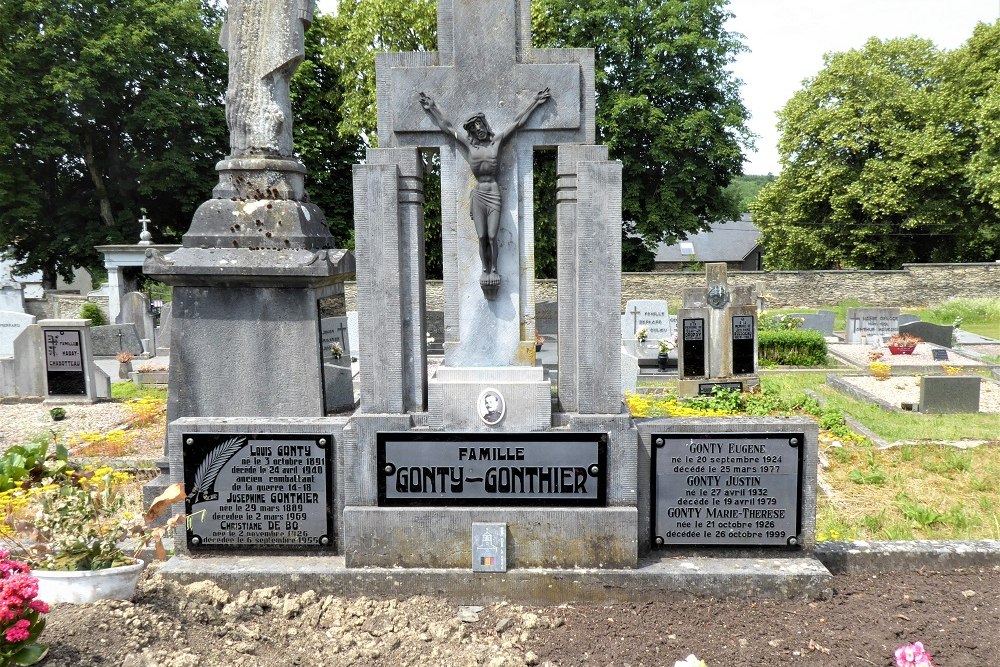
787	40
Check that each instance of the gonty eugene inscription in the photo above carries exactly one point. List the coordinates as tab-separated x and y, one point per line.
727	490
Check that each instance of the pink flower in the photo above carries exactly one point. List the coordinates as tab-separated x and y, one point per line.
39	606
913	655
19	631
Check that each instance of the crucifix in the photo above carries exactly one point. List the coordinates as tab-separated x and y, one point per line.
635	319
485	67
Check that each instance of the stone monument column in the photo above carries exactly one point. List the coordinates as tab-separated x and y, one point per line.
258	256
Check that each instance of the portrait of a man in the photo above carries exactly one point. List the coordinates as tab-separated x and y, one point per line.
491	406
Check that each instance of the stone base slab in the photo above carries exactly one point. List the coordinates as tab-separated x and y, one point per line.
757	578
453	395
441	537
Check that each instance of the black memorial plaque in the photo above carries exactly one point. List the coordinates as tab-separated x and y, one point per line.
258	491
744	344
509	469
693	340
65	374
939	354
727	489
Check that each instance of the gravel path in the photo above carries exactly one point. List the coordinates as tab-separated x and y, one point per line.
19	422
858	355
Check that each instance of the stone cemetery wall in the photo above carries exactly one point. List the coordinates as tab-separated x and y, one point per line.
62	306
913	286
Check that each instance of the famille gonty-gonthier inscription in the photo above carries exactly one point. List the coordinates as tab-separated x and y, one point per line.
727	489
492	469
259	491
64	371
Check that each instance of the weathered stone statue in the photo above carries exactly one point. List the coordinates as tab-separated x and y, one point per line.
482	150
265	43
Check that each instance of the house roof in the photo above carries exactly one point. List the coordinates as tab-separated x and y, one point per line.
723	242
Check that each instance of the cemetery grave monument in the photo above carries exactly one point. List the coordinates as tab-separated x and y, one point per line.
488	465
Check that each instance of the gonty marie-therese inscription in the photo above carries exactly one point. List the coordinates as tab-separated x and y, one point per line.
481	147
262	491
727	489
554	469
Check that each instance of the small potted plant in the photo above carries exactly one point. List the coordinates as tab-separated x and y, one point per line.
124	364
663	354
71	532
902	343
57	414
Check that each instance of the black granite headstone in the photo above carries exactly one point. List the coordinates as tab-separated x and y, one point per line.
693	342
64	369
744	344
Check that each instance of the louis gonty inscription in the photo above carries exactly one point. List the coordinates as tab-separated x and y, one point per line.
733	489
257	491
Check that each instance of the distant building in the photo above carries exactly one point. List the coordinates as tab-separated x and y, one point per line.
736	243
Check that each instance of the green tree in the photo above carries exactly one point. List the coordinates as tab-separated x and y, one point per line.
667	107
108	106
745	189
874	151
317	93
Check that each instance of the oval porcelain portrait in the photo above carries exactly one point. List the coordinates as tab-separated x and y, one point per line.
491	406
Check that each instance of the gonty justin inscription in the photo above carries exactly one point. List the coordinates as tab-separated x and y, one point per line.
727	490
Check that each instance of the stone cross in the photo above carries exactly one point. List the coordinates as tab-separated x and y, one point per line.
485	64
635	319
145	237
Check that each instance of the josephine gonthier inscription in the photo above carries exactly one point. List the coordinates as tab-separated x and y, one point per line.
263	491
732	489
481	468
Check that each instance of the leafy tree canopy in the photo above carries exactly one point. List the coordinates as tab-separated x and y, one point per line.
875	153
108	106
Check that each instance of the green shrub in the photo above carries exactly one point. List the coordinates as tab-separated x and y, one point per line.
91	311
792	347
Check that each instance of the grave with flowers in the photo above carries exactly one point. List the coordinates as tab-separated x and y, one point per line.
489	469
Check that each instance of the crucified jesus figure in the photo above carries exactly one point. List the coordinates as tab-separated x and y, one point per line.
482	151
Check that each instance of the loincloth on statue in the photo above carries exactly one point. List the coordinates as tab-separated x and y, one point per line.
485	201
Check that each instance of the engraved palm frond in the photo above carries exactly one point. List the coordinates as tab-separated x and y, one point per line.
210	468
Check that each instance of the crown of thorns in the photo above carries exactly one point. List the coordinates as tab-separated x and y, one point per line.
480	118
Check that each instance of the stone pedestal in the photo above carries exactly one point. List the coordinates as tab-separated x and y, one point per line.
454	399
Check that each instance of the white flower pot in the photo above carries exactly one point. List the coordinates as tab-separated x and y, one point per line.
81	587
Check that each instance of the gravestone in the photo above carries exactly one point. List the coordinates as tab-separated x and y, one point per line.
353	333
937	334
69	362
164	329
11	299
949	394
653	316
258	257
718	336
865	322
907	318
821	321
23	374
11	326
135	310
110	339
335	330
489	388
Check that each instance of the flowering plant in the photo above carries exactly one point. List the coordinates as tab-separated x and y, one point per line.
336	349
641	335
913	655
879	370
665	346
125	357
80	524
21	622
903	340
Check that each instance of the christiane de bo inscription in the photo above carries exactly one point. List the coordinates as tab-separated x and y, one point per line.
485	468
727	489
265	491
